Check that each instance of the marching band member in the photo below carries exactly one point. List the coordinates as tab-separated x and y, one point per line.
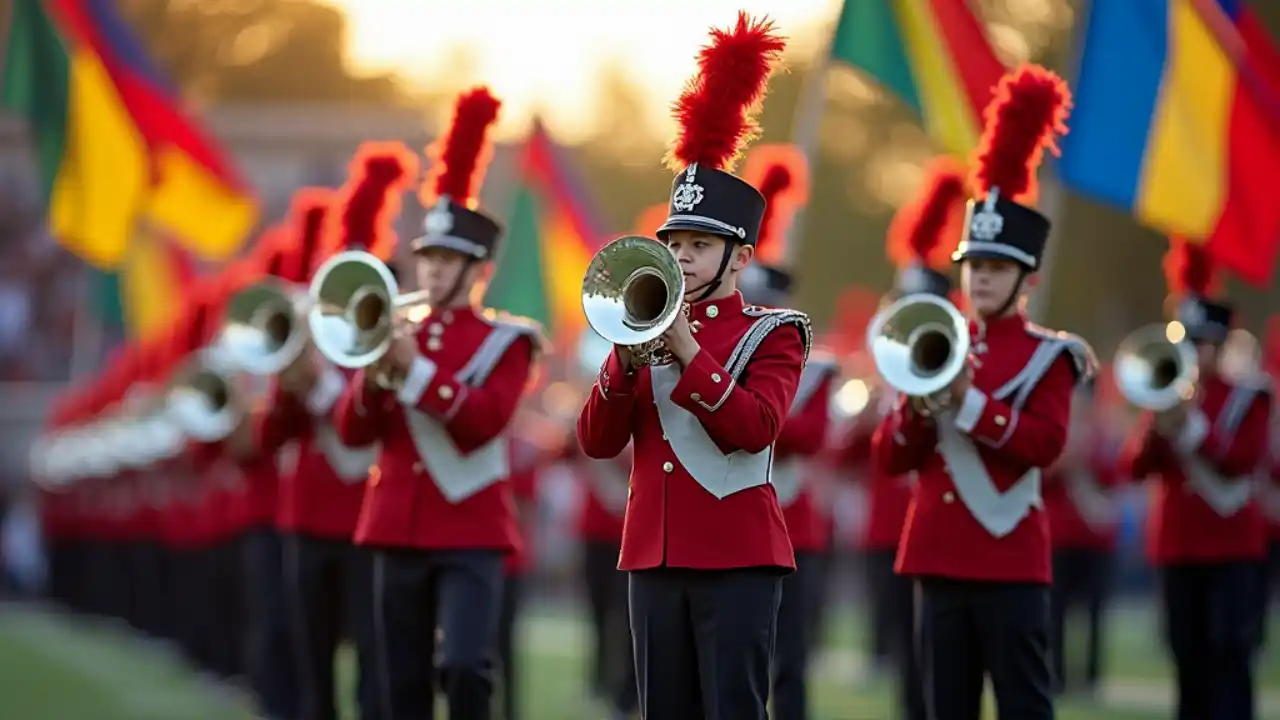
437	509
329	579
1205	532
704	538
803	437
914	238
976	538
1083	517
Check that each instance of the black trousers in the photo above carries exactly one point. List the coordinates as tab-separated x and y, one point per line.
1270	586
513	589
270	662
886	610
415	591
329	592
149	587
968	630
793	646
1211	622
704	641
1081	580
612	667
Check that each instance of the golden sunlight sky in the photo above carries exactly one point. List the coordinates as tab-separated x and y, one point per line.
546	55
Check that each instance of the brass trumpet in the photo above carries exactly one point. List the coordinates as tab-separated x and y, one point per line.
920	345
357	310
202	400
1156	368
631	294
263	332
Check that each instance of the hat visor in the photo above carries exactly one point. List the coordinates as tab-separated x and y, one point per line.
696	225
971	253
449	242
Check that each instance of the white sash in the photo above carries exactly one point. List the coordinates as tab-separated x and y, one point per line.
719	474
609	483
998	512
458	476
351	465
1096	506
788	480
1225	496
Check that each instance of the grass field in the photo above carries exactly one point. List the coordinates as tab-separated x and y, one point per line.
53	668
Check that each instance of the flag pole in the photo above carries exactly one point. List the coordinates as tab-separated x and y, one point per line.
1053	196
806	136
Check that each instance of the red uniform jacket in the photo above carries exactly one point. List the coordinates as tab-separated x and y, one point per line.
404	505
735	414
803	437
605	487
1202	508
1079	496
888	496
977	513
321	480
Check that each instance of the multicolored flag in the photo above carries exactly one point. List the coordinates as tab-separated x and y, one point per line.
113	145
552	234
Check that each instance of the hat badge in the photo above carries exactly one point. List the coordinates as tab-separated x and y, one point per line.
439	220
689	194
987	224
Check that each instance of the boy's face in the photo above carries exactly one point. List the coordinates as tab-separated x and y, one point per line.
699	255
437	270
989	283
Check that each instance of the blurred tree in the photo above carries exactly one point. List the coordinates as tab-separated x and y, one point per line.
255	50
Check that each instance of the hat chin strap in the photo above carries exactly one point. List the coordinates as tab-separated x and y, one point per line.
1013	294
714	284
449	297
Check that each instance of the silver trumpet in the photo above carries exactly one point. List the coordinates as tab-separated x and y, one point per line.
1156	368
631	294
920	345
264	332
202	399
356	310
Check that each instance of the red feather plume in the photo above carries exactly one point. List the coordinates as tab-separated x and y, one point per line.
380	173
270	255
1028	112
776	182
460	156
1188	268
715	111
918	228
308	210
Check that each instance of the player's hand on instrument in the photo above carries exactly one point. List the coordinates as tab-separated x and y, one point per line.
626	358
404	348
300	376
960	386
679	340
1169	423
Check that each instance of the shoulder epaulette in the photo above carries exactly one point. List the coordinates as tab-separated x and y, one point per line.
518	324
1083	359
766	321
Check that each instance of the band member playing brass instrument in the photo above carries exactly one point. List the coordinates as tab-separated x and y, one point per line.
437	506
1205	532
328	579
976	538
704	537
782	175
918	231
1083	517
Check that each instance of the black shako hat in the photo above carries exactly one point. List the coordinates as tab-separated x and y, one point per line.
1028	111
